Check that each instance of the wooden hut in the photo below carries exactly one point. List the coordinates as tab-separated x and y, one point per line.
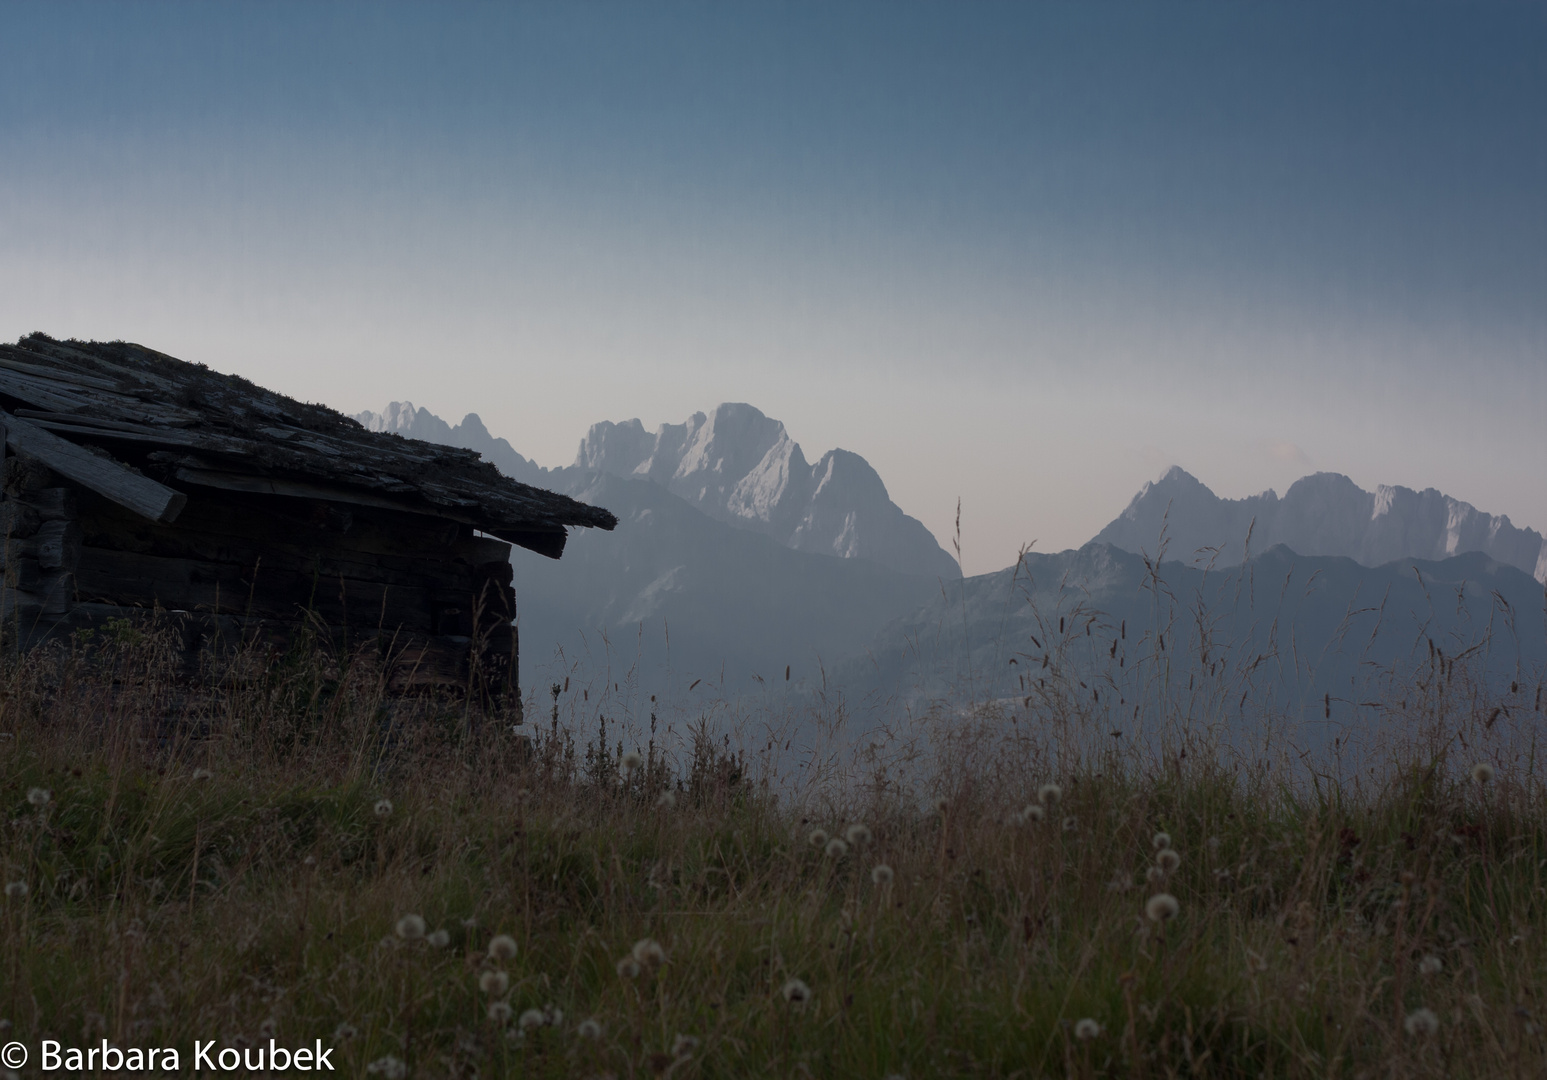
136	483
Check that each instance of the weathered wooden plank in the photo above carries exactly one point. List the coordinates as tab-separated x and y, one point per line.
58	544
105	476
18	520
54	503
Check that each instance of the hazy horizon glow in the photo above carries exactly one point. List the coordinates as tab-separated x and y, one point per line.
1025	256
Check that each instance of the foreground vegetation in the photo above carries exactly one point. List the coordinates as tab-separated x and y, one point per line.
292	855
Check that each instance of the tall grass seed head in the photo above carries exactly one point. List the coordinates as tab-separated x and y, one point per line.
817	838
502	947
1086	1029
1161	841
1421	1022
410	927
630	760
493	983
1168	860
881	874
836	848
1049	794
857	835
1162	907
648	951
796	992
1482	772
39	796
383	808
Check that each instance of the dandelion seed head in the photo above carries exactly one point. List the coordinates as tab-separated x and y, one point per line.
628	968
1049	794
532	1018
1421	1022
1161	841
39	796
589	1029
1154	874
269	1028
203	774
683	1045
649	951
499	1012
438	938
1162	907
1431	965
668	799
796	992
344	1032
555	1017
1213	843
1071	823
389	1068
1033	812
1168	860
630	760
881	874
857	835
502	947
493	983
410	927
818	838
383	808
1086	1029
836	848
1482	772
942	804
16	890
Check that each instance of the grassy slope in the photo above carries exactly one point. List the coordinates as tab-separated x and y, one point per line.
164	905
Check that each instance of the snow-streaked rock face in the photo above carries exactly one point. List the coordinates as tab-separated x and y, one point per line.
1322	514
741	467
401	418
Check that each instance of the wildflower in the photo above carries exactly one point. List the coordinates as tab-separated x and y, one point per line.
857	835
818	838
1033	812
1071	824
39	796
16	890
1482	772
1168	860
796	992
389	1067
383	808
942	804
836	848
344	1032
630	760
649	951
502	947
1161	841
589	1029
1421	1022
410	927
668	799
683	1046
1049	794
629	968
532	1018
439	938
494	983
499	1012
1431	965
881	874
203	774
1086	1029
1162	907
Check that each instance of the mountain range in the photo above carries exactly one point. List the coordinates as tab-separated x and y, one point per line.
738	563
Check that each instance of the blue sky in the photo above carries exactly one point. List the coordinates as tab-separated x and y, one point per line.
1028	255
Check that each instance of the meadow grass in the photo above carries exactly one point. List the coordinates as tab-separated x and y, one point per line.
238	860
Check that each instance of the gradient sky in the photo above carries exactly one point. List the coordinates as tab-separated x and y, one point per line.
1024	255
